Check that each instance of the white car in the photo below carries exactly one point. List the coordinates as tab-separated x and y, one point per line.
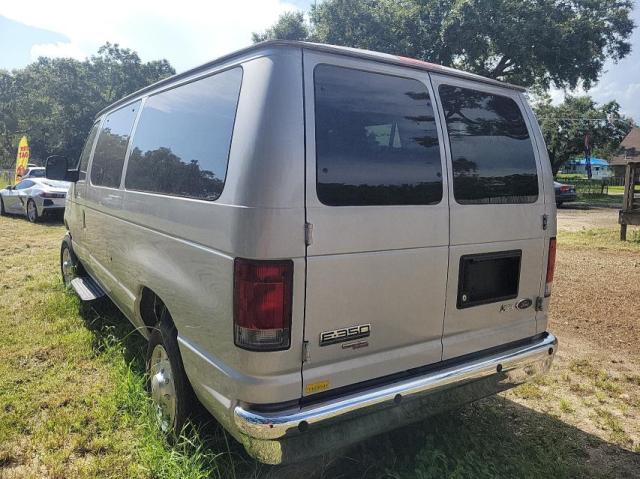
34	197
34	172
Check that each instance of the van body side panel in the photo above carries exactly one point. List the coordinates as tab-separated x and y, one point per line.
377	266
183	249
486	229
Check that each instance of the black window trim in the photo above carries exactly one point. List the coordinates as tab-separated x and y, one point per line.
436	114
490	90
171	87
97	122
126	154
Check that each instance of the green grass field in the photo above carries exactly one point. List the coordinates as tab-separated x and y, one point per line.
73	403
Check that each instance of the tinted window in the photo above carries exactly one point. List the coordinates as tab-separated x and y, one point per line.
24	184
86	152
181	145
36	173
108	159
376	140
492	154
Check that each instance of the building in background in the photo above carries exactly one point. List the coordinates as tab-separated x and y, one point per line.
629	152
599	168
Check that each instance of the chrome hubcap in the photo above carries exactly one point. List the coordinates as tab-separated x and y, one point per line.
68	268
31	210
163	391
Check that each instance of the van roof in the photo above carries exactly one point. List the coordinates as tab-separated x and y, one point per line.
347	51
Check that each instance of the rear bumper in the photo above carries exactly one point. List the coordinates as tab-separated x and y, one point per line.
382	408
566	197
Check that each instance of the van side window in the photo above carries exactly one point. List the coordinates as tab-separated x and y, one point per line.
376	139
108	159
492	155
86	153
182	141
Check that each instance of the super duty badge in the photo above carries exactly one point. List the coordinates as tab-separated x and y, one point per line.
345	334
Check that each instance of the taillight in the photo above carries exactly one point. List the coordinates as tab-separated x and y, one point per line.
44	194
262	304
551	267
564	189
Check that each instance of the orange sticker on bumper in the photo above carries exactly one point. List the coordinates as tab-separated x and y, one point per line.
316	387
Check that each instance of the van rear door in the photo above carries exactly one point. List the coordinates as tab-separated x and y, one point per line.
497	209
378	249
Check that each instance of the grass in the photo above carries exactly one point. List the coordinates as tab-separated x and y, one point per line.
71	379
601	239
73	403
598	200
5	179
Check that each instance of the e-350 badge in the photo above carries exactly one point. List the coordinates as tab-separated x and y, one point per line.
345	334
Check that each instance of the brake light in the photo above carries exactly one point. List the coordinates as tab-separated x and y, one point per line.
551	267
262	299
564	189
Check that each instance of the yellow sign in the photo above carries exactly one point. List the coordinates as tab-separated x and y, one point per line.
316	387
22	160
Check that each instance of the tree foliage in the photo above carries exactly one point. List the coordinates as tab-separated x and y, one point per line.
528	42
54	100
565	126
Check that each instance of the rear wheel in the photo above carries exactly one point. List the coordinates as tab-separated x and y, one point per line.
32	211
167	382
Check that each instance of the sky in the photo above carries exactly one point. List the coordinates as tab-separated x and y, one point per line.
189	32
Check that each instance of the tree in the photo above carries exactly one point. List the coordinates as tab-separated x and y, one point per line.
565	126
54	101
290	26
528	42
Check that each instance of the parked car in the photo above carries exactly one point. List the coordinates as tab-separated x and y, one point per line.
34	172
34	197
564	193
320	250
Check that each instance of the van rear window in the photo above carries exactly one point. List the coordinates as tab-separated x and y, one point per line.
376	139
492	155
182	141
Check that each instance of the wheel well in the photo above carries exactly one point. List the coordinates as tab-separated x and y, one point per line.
151	307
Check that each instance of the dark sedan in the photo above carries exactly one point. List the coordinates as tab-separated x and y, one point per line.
564	193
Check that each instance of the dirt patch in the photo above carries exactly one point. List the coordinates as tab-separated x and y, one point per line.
579	219
597	296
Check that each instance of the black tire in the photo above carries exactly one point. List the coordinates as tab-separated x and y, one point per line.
76	266
32	218
165	335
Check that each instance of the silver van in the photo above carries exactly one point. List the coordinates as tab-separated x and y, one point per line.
320	243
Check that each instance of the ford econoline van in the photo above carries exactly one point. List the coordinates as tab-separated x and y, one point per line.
320	243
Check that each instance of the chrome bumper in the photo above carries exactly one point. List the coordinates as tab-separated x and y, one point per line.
496	372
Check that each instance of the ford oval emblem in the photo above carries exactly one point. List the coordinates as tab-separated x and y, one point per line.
524	303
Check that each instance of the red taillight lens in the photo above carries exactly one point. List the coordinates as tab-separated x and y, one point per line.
551	267
262	304
564	189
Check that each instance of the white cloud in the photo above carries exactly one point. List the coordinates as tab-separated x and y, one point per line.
187	33
56	50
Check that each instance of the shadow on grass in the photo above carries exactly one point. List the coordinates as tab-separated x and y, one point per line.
47	220
494	437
